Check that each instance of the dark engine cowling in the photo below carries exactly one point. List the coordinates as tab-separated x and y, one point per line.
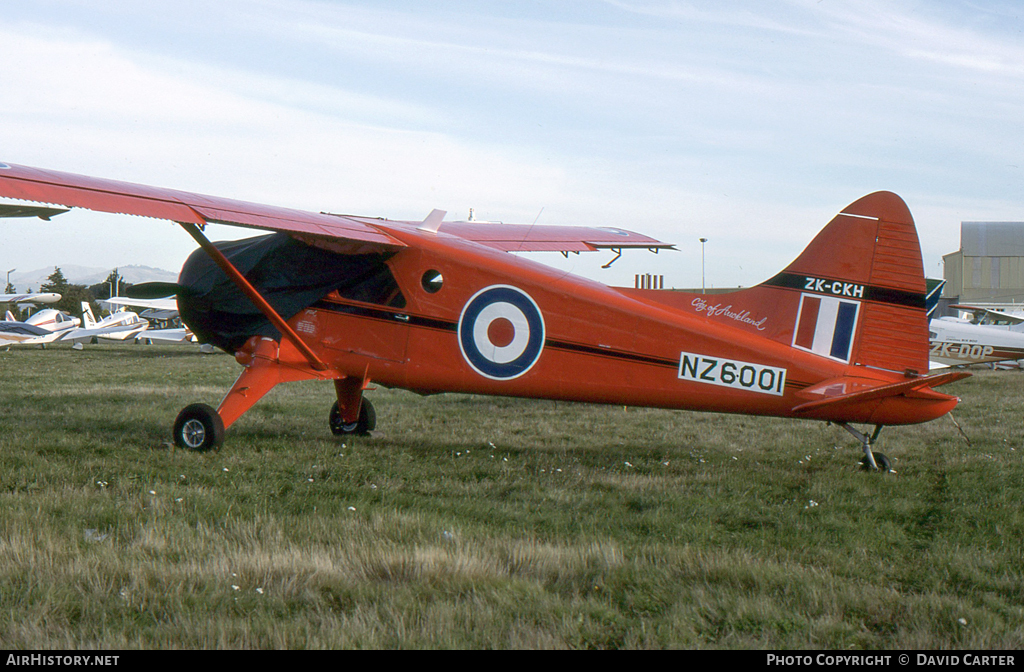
289	274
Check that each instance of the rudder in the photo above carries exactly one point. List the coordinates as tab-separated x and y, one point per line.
855	295
862	288
88	321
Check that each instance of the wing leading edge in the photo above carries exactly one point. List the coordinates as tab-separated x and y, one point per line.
321	229
528	238
79	191
987	315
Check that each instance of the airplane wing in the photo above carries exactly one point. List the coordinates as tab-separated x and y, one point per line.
37	297
15	327
337	233
79	191
113	331
527	238
175	336
156	314
167	303
989	315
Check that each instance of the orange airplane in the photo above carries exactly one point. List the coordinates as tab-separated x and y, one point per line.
840	335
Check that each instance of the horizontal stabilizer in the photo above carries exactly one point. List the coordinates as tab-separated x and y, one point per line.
848	390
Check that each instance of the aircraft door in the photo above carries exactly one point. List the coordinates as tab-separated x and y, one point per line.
369	316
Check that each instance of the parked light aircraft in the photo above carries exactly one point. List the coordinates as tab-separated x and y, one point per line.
45	326
957	342
991	336
161	310
120	326
839	335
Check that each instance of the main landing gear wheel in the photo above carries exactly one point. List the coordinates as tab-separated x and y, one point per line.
198	427
366	423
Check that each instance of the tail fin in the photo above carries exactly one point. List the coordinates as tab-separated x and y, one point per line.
88	321
855	295
9	317
932	296
857	292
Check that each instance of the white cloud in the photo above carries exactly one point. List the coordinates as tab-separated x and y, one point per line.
669	118
122	119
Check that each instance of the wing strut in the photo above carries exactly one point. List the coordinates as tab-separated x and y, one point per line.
254	296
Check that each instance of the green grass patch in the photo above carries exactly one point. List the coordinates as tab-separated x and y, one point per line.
476	522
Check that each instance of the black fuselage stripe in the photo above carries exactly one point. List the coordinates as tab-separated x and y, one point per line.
895	297
445	325
611	354
385	314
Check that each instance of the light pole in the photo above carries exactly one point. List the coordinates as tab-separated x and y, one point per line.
8	289
702	241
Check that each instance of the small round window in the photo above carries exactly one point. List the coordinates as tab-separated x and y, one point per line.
432	281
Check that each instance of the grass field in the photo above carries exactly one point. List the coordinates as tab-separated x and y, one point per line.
476	522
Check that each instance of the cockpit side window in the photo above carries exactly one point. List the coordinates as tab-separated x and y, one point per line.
375	284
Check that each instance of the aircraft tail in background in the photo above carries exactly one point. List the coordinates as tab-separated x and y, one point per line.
88	319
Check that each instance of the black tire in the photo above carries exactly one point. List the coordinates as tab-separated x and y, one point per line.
198	427
881	460
366	423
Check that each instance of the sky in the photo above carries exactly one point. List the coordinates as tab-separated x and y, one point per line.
748	123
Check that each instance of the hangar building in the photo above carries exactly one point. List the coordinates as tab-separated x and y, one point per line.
989	266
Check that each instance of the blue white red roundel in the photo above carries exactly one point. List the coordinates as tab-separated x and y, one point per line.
501	332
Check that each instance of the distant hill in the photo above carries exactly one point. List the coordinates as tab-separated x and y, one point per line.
88	275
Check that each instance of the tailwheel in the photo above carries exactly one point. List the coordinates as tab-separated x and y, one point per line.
881	462
198	427
872	461
366	423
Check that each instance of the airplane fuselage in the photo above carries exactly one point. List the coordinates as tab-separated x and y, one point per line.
499	324
45	326
957	343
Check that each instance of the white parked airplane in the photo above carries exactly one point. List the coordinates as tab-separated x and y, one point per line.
956	342
45	326
119	326
158	310
993	334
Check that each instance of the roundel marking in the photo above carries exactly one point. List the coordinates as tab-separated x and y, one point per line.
501	332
